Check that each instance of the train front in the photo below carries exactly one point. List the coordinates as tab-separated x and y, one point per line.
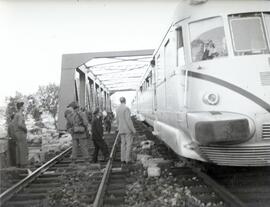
228	94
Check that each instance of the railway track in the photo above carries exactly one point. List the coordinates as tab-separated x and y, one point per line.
107	185
218	186
111	190
251	185
34	189
202	189
116	178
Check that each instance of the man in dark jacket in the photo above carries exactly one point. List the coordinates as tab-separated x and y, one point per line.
20	133
69	120
12	141
97	134
107	122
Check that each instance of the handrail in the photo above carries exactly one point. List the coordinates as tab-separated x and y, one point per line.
6	195
101	189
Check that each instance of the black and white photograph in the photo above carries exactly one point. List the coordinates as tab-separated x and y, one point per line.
135	103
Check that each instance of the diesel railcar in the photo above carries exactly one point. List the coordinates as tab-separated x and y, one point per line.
206	92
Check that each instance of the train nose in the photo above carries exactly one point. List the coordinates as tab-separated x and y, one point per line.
220	128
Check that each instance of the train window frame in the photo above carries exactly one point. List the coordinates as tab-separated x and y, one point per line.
263	30
150	76
159	70
266	15
169	56
208	49
141	89
144	85
148	80
180	57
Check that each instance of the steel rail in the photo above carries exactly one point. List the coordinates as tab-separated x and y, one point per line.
6	195
227	196
98	202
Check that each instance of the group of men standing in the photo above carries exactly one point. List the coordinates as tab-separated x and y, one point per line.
81	130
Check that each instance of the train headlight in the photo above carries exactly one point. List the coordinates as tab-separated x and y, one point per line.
211	98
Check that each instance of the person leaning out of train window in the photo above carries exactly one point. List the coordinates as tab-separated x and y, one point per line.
80	129
12	141
97	135
210	51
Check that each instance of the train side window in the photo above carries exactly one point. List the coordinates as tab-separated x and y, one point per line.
180	47
160	70
207	39
248	34
150	78
267	23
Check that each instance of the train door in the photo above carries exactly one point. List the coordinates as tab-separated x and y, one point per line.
151	94
160	87
171	92
181	79
180	64
154	91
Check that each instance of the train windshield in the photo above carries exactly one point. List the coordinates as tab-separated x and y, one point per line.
207	39
249	33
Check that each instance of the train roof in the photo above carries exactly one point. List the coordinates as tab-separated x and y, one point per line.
201	9
198	9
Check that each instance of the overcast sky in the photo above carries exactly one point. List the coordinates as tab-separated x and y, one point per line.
35	33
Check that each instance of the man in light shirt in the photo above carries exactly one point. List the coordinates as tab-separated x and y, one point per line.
126	130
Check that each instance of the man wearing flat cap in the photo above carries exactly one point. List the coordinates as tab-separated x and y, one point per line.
126	130
78	126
